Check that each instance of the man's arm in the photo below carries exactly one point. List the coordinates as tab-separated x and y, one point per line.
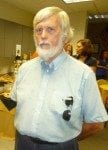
90	128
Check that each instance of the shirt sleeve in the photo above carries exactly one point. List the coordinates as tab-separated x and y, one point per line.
13	92
92	105
14	89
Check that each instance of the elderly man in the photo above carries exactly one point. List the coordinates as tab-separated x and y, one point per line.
58	100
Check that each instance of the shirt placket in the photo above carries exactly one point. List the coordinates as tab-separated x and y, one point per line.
41	99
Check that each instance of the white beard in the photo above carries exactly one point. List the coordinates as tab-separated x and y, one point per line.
46	51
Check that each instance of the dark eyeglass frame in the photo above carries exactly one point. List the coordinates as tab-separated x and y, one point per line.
67	113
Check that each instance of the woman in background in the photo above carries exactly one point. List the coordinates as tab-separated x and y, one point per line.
68	48
102	70
84	50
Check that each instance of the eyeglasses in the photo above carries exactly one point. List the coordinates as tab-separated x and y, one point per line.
67	113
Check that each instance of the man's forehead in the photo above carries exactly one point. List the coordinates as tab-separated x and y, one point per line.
52	20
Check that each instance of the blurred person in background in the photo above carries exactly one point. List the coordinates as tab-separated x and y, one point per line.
58	101
33	54
84	51
68	48
93	63
24	58
102	70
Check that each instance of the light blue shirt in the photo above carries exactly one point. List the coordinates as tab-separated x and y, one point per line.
40	93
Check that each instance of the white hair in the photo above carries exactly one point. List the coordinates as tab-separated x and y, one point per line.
67	31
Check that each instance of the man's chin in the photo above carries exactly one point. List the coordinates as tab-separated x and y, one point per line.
46	58
43	49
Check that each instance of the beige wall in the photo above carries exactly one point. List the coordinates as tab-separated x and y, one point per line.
6	65
14	14
79	23
12	34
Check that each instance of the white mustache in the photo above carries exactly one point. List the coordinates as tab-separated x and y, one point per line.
42	44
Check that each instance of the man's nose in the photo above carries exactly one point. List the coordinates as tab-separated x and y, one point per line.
44	34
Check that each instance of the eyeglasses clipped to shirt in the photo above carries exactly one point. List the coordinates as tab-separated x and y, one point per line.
67	113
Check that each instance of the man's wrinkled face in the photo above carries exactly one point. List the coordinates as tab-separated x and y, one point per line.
48	37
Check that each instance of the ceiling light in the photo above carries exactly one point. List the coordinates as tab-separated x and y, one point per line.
96	16
75	1
90	17
102	16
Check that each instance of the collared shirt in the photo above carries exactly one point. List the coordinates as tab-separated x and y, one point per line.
41	93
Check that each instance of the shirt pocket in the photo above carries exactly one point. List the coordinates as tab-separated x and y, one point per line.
57	102
58	105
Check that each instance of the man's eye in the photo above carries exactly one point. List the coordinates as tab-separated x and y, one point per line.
50	30
39	30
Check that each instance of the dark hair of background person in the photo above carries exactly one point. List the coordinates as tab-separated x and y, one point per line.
68	48
102	70
101	55
87	49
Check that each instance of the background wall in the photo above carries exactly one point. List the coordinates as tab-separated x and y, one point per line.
12	34
79	23
98	34
14	14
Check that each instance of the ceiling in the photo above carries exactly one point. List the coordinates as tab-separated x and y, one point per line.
32	6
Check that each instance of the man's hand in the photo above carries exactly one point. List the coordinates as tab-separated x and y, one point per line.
90	128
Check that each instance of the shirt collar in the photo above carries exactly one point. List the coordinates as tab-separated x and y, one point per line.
54	65
59	59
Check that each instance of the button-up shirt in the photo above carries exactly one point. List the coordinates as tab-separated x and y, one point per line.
41	91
